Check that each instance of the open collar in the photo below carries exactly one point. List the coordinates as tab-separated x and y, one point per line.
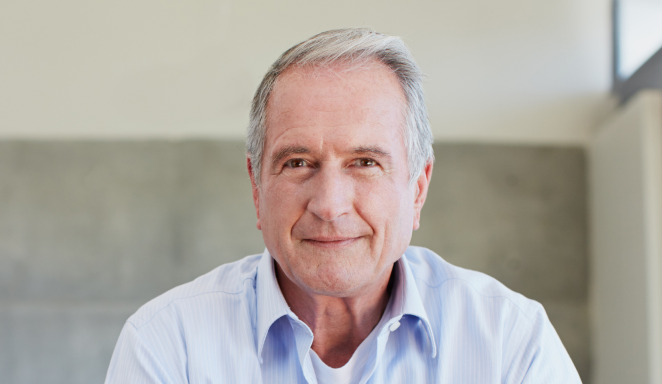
271	304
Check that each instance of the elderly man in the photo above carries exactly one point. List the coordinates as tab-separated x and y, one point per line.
340	159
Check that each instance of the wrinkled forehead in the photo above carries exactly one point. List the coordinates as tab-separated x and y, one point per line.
340	83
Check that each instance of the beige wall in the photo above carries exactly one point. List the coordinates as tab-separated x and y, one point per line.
512	70
625	160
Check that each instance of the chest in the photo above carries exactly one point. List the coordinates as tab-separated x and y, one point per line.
405	358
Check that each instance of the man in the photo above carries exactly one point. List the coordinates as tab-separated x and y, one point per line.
340	159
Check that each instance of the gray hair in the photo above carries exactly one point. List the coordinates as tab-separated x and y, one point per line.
355	45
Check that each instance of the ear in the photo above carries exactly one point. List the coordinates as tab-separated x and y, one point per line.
422	185
256	192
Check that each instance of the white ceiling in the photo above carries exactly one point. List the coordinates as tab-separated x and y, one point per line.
522	71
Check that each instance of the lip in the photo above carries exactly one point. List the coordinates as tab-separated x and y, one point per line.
331	242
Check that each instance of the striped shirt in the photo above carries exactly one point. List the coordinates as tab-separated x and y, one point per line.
233	325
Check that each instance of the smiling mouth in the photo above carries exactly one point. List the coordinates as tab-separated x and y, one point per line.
331	242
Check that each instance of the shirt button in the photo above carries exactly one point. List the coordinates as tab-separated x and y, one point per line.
394	326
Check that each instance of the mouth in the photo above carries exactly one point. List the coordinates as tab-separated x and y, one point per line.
330	242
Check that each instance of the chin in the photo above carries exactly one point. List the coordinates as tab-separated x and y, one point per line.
334	281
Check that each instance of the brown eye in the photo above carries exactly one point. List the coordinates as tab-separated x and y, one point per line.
367	162
296	163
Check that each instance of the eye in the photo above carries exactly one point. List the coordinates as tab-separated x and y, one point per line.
366	162
295	163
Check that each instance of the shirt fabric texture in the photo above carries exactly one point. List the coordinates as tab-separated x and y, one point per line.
233	325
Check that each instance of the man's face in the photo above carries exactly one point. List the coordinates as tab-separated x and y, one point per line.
335	205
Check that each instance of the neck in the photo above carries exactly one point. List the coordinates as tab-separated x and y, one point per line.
339	324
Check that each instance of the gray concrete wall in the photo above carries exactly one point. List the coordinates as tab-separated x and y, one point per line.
91	230
517	213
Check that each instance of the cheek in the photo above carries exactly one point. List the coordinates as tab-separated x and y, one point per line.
281	204
385	207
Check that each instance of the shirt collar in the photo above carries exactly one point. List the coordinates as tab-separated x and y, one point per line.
408	300
271	304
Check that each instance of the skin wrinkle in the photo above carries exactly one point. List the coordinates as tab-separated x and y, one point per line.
373	150
280	155
334	225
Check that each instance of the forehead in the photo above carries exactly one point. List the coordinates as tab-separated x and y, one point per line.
360	101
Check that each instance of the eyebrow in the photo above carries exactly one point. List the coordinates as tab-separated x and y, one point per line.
371	150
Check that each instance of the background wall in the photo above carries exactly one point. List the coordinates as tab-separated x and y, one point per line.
89	231
513	70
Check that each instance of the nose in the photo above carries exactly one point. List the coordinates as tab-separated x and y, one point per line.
330	194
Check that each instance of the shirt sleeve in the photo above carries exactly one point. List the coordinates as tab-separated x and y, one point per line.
539	356
135	362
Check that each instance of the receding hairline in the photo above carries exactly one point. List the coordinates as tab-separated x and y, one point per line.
335	68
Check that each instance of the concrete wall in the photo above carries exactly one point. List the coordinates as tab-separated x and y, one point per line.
91	230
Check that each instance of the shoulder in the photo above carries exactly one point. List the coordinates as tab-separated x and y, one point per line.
489	321
447	281
230	279
188	326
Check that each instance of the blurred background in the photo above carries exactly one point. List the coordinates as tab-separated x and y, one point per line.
122	166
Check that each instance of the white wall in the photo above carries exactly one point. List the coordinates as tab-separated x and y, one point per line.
510	70
625	166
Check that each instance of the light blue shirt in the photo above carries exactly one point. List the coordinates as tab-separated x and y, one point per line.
233	325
